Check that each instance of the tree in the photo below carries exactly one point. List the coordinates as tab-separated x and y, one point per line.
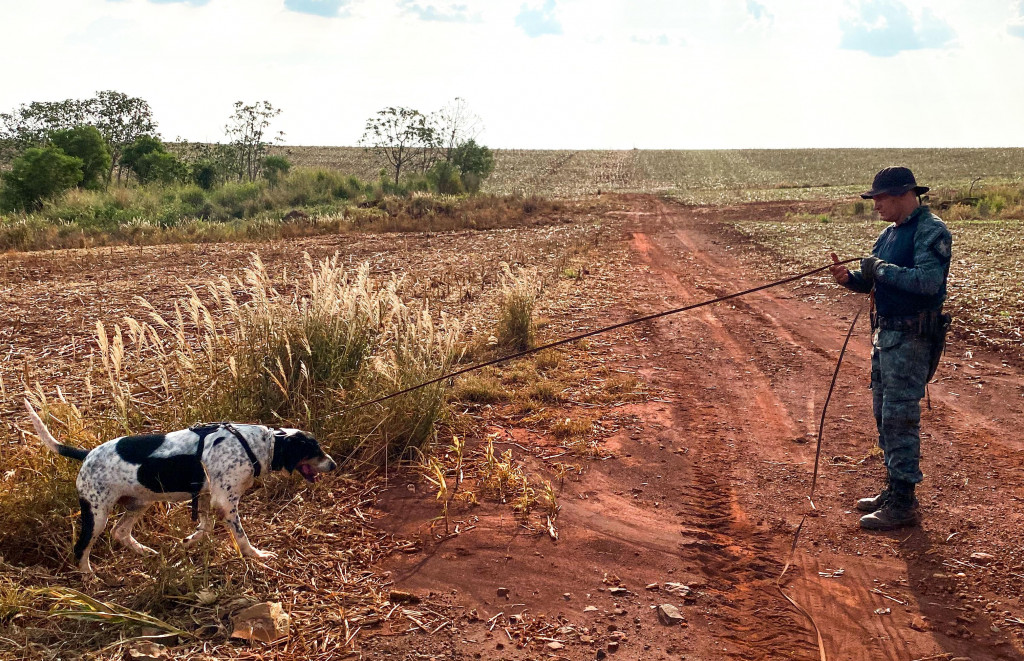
246	129
30	125
275	167
455	124
401	137
475	163
85	143
39	173
142	145
160	166
120	119
150	161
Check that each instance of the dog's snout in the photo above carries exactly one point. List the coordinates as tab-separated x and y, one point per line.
327	464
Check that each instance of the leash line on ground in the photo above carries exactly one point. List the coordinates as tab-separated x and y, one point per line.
814	481
582	336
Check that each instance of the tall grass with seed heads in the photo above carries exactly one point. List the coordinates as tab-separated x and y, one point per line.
293	352
518	298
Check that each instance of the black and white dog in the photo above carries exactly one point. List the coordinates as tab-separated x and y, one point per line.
213	463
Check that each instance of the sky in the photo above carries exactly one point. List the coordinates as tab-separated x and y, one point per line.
546	74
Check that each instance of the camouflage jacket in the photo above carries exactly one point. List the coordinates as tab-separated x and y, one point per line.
915	264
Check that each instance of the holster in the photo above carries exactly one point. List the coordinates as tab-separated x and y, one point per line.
938	330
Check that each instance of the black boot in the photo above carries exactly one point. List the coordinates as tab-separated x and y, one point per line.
873	504
898	511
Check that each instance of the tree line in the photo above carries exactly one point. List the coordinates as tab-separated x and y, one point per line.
112	138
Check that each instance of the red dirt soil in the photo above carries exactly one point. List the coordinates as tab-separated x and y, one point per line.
707	490
705	485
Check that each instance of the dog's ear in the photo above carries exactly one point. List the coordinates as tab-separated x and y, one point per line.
291	447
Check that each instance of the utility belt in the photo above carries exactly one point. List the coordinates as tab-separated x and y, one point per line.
929	323
932	324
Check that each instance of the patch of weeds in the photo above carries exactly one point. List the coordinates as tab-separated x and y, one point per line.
623	387
575	435
480	389
515	316
545	390
503	479
518	374
548	359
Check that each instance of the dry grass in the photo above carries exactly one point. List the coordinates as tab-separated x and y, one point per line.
984	281
322	531
707	176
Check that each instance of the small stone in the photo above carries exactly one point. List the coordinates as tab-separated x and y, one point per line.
554	646
601	654
587	640
652	587
147	651
920	624
961	658
619	611
265	622
504	592
982	558
567	596
613	646
678	588
618	591
669	615
590	609
206	597
402	597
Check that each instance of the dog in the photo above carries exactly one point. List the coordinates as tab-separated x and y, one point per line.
213	463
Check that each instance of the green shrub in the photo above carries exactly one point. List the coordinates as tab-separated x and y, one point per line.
475	163
444	178
159	166
143	145
275	167
39	173
86	143
205	174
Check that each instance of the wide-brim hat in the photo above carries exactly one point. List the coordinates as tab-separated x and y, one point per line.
894	181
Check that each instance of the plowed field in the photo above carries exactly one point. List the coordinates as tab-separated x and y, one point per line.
696	498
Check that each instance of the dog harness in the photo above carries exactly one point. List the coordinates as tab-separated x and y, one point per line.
199	476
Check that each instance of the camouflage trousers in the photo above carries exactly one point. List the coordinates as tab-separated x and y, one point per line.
899	372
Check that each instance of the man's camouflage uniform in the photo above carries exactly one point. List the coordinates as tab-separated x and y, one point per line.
909	289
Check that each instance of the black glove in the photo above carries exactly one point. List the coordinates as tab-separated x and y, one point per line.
869	267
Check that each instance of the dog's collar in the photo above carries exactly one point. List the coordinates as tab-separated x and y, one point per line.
277	462
256	468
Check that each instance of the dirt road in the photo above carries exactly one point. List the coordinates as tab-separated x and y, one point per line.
706	490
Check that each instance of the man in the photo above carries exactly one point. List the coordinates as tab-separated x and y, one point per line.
906	276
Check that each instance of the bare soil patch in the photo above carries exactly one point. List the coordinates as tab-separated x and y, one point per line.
692	500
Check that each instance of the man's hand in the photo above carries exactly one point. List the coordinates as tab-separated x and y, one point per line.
839	271
869	267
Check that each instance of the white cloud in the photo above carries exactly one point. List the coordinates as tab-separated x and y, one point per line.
644	73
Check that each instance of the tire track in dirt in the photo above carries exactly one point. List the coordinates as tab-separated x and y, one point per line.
910	564
739	557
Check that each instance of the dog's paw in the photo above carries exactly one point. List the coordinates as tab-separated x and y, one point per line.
264	555
194	539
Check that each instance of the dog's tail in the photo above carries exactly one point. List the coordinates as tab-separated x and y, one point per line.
50	441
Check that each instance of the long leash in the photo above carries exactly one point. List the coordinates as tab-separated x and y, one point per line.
810	497
821	425
576	338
